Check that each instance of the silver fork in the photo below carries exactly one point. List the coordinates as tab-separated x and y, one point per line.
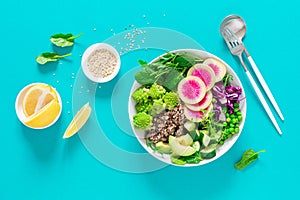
236	48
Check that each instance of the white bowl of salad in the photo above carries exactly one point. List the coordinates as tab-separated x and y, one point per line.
187	107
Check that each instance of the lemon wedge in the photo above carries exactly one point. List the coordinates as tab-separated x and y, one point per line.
44	116
78	121
36	98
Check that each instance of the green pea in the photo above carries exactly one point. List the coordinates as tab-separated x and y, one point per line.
240	118
239	113
236	105
221	142
227	114
236	130
225	124
232	125
234	121
229	135
228	119
236	110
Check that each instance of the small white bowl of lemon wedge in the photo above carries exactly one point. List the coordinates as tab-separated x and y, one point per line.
38	105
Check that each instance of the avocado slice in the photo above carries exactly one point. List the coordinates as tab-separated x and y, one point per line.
162	147
180	149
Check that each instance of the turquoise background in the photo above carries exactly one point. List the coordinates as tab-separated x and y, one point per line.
40	165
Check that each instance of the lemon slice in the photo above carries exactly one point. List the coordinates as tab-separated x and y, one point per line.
36	98
78	121
45	116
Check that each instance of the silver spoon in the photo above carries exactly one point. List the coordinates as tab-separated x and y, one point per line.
237	25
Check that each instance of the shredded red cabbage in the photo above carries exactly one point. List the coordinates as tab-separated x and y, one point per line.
225	97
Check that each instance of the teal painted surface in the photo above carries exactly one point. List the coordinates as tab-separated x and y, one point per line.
40	165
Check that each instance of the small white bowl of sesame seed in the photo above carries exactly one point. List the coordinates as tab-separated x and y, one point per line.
100	62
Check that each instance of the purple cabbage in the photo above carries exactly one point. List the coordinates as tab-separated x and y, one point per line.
225	97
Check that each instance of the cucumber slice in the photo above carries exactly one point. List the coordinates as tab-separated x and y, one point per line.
209	152
196	145
189	125
195	134
204	139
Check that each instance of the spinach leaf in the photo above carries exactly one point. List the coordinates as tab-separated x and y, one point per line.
146	76
64	40
168	70
142	62
49	57
172	79
247	158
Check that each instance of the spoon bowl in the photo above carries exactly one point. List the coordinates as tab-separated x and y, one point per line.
235	24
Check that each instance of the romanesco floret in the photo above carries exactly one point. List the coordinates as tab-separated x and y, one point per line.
157	107
142	120
141	95
171	100
156	91
143	107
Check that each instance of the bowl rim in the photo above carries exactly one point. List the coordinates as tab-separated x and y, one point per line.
86	55
221	149
19	109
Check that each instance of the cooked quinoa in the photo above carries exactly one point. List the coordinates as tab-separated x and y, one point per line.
165	124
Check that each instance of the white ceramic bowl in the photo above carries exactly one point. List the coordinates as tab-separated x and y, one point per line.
19	108
222	149
86	55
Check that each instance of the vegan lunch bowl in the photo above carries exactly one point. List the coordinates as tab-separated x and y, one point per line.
187	107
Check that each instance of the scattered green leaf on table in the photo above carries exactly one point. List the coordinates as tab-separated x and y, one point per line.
64	40
49	57
247	158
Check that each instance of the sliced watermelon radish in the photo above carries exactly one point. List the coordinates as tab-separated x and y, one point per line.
205	73
191	89
204	103
218	67
196	116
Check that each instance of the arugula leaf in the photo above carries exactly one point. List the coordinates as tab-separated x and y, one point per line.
248	157
49	57
64	40
227	80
